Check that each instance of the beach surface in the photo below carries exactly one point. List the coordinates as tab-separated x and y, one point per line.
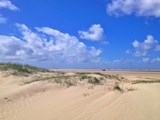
136	98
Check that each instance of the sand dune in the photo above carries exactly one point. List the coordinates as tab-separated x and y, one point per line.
51	101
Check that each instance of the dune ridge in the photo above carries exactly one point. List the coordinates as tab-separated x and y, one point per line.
39	95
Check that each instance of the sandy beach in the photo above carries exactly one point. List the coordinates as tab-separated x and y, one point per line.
79	59
44	100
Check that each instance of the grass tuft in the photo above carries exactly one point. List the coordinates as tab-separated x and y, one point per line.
145	81
118	88
94	81
20	70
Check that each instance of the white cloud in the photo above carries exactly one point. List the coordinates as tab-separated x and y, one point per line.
136	44
153	60
94	33
9	42
46	44
7	4
142	48
137	7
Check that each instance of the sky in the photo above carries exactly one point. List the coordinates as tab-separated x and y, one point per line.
116	34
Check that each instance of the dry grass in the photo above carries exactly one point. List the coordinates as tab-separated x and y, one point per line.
118	87
59	77
72	80
20	70
145	81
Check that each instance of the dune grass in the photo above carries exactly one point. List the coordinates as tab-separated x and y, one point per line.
72	80
94	78
85	75
118	87
20	70
145	81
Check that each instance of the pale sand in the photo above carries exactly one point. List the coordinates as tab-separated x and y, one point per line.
49	101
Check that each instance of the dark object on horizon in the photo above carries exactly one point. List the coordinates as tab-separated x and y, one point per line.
103	69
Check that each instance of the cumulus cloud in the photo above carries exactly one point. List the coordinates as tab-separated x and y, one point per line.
7	4
142	48
137	7
46	44
11	42
94	33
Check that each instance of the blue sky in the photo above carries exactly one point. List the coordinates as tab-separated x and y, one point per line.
81	33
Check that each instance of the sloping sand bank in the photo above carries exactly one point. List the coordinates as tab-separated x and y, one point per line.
50	101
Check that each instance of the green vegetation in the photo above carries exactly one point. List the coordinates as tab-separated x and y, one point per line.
71	80
20	70
145	81
94	81
70	83
62	78
85	77
118	88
